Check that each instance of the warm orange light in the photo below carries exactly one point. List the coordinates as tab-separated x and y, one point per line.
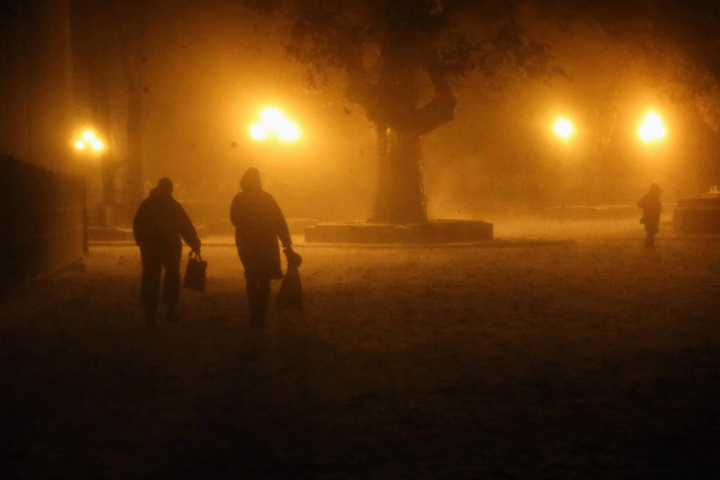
271	117
89	141
287	131
258	131
273	122
652	128
563	128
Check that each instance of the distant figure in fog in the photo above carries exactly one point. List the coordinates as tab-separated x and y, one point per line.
651	207
159	224
259	223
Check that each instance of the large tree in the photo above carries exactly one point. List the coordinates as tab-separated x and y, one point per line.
399	58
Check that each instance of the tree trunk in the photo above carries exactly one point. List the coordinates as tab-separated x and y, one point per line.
400	197
393	106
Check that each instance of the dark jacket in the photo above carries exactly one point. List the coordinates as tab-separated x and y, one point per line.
651	206
258	223
161	221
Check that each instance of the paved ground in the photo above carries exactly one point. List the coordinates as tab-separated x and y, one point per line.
590	359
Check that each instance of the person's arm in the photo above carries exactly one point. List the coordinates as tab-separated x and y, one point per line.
284	234
140	225
282	229
187	230
234	211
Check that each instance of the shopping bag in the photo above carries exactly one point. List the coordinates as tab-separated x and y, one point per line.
290	296
195	272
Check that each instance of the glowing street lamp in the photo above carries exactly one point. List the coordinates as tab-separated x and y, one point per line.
258	131
274	123
563	128
89	141
651	128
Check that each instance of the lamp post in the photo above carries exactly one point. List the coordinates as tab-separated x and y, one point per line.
273	133
563	128
89	143
652	131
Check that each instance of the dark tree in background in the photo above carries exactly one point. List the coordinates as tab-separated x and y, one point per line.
110	45
399	58
391	51
678	42
132	23
678	37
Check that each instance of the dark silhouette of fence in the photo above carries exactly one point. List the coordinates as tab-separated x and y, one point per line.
43	221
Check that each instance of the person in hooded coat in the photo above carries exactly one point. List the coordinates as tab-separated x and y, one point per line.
259	223
651	207
158	227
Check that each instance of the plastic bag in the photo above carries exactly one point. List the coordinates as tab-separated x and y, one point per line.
290	296
195	273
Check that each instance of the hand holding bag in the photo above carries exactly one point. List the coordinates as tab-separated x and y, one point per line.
290	295
195	272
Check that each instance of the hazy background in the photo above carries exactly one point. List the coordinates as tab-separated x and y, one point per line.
211	68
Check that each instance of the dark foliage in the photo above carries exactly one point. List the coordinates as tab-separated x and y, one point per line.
654	28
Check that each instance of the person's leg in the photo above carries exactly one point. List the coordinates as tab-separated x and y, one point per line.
650	240
171	285
253	295
263	295
150	283
258	291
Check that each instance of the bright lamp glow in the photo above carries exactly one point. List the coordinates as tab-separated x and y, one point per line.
258	131
563	128
90	141
652	128
287	131
271	117
273	122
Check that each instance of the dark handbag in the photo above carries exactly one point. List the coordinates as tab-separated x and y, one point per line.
195	273
290	295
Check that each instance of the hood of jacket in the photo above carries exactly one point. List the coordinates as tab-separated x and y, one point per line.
250	181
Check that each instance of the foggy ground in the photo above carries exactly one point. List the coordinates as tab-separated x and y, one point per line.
591	359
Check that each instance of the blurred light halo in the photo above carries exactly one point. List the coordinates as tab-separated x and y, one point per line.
273	122
89	141
258	131
288	131
272	117
652	128
563	128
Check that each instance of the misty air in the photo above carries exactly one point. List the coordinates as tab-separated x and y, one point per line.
363	239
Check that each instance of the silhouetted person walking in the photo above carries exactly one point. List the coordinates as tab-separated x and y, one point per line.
159	224
651	207
258	223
